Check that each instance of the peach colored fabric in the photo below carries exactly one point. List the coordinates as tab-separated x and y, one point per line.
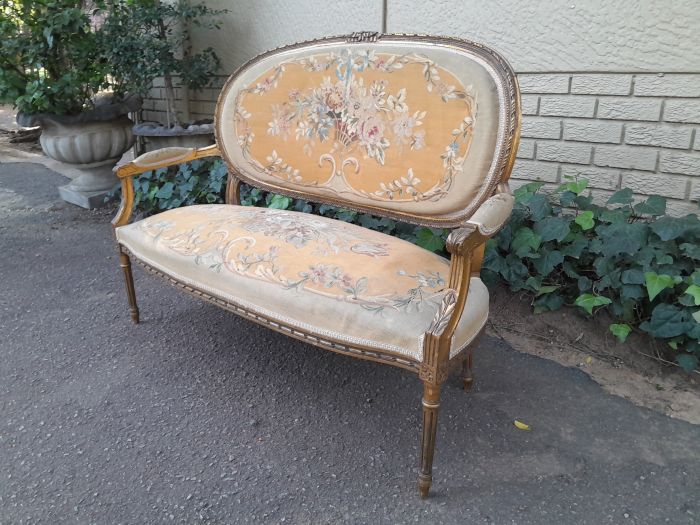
412	128
322	275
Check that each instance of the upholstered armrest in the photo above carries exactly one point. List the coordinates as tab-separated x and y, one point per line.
152	160
162	158
493	214
485	223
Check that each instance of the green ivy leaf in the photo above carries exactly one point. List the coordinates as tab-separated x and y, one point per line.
695	277
657	283
585	202
430	239
548	303
654	205
625	196
667	321
585	220
614	216
165	191
691	250
533	283
279	202
574	186
526	191
346	215
631	291
694	290
515	272
547	262
552	228
575	248
687	362
549	288
669	228
686	300
632	276
525	241
539	207
567	198
589	301
673	343
621	331
610	280
570	270
622	237
583	283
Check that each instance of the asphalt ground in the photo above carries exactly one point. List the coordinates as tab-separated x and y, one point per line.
199	416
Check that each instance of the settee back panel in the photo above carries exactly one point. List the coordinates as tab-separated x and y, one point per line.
419	128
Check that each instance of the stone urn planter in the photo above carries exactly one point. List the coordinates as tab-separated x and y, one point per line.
157	136
91	142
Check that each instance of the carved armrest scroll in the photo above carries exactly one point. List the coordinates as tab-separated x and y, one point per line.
162	158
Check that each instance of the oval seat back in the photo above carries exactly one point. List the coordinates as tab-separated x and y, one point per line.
420	129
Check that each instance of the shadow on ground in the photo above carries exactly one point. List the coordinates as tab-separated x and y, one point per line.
198	416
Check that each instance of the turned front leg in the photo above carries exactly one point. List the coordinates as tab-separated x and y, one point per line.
467	374
431	405
125	264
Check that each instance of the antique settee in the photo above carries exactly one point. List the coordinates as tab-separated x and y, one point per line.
415	128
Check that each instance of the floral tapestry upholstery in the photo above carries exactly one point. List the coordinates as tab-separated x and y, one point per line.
415	129
324	276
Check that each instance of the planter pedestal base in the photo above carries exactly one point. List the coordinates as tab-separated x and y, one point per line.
91	189
85	199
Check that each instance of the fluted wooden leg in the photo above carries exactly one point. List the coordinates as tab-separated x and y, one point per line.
125	264
467	374
431	404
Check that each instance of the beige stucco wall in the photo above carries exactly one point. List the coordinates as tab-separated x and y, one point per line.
611	88
253	26
572	35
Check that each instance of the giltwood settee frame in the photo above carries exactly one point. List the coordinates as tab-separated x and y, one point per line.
465	245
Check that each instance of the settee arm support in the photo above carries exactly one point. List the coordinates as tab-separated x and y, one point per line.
465	246
153	160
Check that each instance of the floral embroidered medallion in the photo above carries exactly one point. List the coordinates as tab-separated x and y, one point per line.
384	126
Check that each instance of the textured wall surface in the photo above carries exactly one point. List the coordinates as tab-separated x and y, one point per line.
573	35
611	88
253	26
617	130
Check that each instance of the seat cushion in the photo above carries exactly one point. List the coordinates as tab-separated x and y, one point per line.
326	277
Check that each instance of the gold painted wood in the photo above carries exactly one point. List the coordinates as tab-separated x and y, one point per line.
431	406
125	264
233	190
163	158
467	374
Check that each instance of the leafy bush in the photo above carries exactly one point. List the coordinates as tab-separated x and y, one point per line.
196	182
50	59
146	39
630	259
